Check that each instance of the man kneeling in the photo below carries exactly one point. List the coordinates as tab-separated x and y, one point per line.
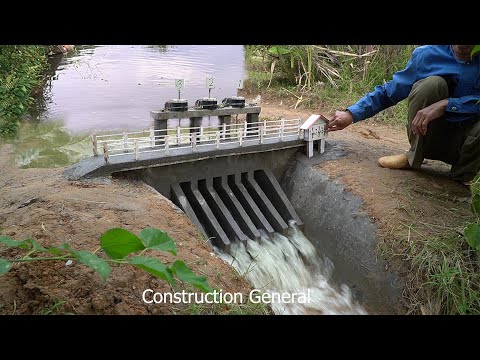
442	84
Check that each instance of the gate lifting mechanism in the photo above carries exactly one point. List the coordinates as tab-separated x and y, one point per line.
314	130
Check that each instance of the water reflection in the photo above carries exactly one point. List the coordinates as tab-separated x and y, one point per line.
49	144
114	87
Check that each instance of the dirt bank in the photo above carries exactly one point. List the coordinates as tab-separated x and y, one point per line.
41	204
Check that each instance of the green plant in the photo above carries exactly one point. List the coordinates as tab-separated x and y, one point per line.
329	77
451	275
21	71
475	50
55	308
121	247
343	67
472	230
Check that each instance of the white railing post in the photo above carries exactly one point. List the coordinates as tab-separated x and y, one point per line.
152	137
94	143
201	133
224	130
125	141
240	136
245	131
262	134
136	149
194	141
178	135
167	145
105	152
282	128
217	139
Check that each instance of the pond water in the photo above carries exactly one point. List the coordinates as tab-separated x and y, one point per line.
112	88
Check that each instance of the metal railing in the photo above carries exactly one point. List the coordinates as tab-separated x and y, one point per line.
194	138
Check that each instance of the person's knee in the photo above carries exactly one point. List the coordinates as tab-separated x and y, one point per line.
434	87
474	131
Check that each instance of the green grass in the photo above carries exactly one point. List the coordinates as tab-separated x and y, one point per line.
259	80
357	77
451	273
57	308
440	270
443	271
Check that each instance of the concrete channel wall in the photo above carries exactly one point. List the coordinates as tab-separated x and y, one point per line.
338	228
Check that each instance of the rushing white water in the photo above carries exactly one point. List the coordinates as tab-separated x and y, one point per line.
289	264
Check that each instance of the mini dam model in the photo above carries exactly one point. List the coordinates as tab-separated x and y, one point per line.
250	188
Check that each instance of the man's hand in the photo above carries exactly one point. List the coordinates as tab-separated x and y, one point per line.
424	116
340	121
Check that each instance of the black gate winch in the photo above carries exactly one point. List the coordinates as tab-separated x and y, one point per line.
234	101
206	103
176	105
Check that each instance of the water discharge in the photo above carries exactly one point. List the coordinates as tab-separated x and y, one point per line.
290	264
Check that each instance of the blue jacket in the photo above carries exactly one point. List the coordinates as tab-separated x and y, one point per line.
463	78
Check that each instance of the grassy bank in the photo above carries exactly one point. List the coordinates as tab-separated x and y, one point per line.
326	77
442	261
21	72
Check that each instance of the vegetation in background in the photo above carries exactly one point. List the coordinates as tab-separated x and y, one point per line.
121	247
21	71
472	231
325	76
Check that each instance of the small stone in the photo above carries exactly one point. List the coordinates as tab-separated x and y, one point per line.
68	263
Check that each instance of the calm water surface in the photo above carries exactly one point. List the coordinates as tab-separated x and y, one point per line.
112	88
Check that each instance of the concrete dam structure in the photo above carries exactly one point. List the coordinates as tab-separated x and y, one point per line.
252	180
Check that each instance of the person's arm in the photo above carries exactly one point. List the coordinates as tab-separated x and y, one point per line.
464	105
390	93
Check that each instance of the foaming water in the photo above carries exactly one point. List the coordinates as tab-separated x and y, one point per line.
290	264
